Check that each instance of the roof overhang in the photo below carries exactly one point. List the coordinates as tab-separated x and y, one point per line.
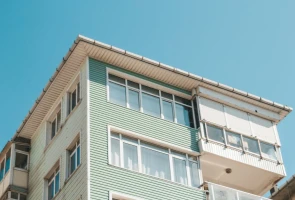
84	47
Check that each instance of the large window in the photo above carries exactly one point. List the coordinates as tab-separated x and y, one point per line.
151	101
53	184
248	144
74	157
150	159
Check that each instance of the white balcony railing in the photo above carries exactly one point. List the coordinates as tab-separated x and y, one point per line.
218	192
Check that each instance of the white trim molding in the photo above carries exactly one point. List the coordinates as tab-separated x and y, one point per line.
122	196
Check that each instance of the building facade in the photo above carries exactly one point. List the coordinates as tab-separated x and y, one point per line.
114	125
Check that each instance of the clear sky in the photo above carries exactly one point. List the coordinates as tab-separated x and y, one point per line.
249	45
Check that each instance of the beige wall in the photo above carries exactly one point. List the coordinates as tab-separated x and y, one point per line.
42	158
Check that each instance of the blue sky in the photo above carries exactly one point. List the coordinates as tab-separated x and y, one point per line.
249	45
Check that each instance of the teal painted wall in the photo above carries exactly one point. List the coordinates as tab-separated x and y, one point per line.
104	177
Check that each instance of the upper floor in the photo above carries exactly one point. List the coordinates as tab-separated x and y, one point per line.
221	135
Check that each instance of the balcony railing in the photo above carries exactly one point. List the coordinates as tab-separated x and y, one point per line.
218	192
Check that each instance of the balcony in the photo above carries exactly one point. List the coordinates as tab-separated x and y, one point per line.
218	192
14	170
239	143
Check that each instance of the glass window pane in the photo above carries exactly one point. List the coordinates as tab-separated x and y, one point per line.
152	146
234	139
56	183
221	193
251	145
116	79
73	99
215	133
150	90
78	155
179	154
167	95
180	171
14	195
7	163
155	163
168	110
268	150
182	100
129	139
51	191
2	171
21	161
133	84
133	99
115	157
130	157
117	94
184	115
58	119
194	171
22	197
53	129
151	105
115	135
78	92
22	147
73	163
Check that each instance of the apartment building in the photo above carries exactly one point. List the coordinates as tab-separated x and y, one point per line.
285	192
114	125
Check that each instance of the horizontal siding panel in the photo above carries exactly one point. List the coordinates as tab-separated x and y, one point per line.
104	177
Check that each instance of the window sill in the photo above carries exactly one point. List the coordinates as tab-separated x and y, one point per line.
152	115
72	174
61	127
150	176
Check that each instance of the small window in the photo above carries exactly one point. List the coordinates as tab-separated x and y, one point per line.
268	150
2	171
251	145
17	196
74	157
21	160
233	139
184	115
151	105
7	161
53	184
56	124
74	98
215	133
117	93
133	99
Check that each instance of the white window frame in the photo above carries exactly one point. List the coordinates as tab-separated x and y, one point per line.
73	147
122	196
154	86
224	129
18	196
155	142
49	182
57	128
28	159
77	88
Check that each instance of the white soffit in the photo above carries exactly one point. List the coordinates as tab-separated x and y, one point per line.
84	47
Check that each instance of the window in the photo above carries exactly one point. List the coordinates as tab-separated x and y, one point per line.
233	139
151	101
56	124
21	160
215	133
251	145
268	150
7	161
74	157
17	196
53	184
153	160
74	98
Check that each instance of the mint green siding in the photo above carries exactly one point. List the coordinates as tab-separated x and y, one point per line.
104	177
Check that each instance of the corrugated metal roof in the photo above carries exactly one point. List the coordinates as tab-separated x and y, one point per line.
84	46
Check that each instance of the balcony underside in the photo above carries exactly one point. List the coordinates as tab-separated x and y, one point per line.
249	173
